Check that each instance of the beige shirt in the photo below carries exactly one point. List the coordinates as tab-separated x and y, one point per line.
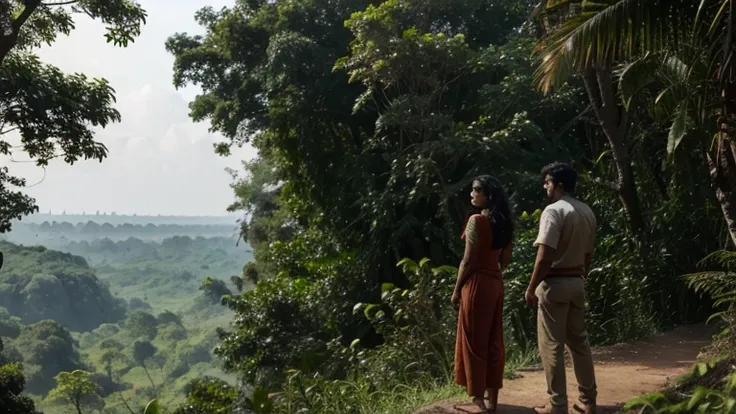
568	226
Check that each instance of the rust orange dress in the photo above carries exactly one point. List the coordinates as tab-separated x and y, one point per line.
479	348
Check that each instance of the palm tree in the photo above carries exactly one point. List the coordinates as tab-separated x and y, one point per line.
596	38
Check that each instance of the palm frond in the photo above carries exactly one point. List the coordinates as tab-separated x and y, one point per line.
724	259
615	31
712	283
677	88
635	76
716	283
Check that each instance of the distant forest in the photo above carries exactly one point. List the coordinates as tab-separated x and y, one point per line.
132	303
61	229
116	219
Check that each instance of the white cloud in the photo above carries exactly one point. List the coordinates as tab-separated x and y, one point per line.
160	162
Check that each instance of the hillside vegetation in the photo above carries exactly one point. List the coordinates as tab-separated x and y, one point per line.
134	314
38	284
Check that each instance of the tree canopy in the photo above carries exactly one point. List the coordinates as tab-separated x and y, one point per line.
76	389
12	383
38	284
45	113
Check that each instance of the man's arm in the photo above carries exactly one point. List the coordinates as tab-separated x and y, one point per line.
546	243
542	264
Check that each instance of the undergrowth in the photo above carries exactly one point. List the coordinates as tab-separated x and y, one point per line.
362	397
710	387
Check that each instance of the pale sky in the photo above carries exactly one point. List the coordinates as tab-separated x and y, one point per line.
160	162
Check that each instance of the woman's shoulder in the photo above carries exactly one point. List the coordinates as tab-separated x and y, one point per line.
478	221
479	217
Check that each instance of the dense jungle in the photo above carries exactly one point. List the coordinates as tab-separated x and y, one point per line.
331	293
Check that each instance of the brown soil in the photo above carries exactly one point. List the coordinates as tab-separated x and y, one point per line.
623	372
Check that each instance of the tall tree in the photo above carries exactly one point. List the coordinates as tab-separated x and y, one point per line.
44	113
603	34
111	353
143	350
371	153
76	388
613	117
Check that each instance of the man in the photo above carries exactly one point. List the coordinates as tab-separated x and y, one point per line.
557	287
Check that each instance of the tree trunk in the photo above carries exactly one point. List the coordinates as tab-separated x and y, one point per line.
722	168
614	121
125	402
10	39
148	375
722	164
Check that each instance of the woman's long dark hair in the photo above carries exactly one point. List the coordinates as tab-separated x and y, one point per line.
499	211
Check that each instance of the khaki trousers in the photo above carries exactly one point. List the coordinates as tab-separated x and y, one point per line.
560	322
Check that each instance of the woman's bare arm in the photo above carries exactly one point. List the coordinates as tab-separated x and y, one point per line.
471	237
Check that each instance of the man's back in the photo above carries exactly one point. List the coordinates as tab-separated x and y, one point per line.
565	241
568	225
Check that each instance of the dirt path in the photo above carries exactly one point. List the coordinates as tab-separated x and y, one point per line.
623	371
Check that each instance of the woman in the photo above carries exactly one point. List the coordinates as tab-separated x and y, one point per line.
479	349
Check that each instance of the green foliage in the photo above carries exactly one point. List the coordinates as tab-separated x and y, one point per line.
153	275
12	384
55	234
719	283
170	269
372	183
184	357
38	284
708	388
76	388
47	349
418	325
324	153
214	289
371	120
9	325
142	324
37	22
279	325
172	332
53	112
258	197
142	351
316	394
209	396
168	317
108	357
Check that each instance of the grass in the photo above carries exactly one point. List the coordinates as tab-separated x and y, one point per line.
410	400
423	397
406	399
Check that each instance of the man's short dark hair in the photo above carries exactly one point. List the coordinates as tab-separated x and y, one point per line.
562	174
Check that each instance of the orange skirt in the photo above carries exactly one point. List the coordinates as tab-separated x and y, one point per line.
479	349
